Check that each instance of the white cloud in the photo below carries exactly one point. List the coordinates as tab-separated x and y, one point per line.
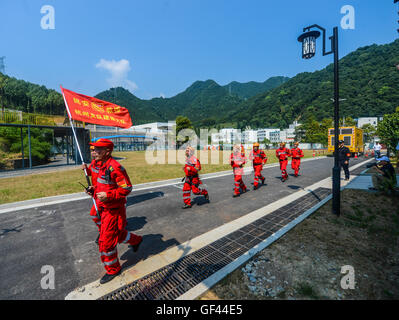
162	95
119	72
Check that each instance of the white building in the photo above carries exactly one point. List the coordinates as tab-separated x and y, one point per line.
265	133
155	127
274	136
294	125
367	120
287	135
249	136
228	135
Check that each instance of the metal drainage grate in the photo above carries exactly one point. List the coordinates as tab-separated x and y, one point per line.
175	279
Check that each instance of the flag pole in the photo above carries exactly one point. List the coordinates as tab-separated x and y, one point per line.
77	143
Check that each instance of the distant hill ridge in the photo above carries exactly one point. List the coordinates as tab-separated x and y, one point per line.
203	101
369	81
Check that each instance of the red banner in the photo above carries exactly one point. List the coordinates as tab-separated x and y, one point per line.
91	110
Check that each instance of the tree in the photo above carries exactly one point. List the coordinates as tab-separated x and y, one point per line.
369	132
311	131
388	130
182	123
347	122
41	140
267	143
324	126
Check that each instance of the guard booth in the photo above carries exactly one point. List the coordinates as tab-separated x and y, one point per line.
352	136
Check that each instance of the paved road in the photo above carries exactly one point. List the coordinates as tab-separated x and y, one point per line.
62	235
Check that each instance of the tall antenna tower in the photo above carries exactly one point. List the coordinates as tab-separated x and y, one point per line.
2	65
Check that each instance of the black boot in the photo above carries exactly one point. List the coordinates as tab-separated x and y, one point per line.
186	206
108	277
136	246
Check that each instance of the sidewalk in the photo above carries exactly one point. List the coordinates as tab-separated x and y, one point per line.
59	163
188	270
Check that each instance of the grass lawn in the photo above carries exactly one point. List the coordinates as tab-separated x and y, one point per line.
66	180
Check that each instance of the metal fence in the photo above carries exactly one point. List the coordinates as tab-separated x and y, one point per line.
19	117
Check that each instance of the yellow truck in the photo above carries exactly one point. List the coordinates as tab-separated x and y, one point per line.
353	139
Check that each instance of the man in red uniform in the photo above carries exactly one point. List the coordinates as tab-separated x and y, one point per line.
92	170
112	187
258	158
296	155
192	181
237	161
282	154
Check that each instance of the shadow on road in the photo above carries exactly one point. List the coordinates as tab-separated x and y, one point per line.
315	195
143	197
152	245
199	201
135	223
15	229
294	187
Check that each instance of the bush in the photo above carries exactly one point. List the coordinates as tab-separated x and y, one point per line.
10	141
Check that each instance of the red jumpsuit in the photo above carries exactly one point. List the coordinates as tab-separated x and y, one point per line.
296	155
237	160
113	179
192	181
92	170
282	154
258	159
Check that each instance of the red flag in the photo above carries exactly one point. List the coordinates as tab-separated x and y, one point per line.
92	110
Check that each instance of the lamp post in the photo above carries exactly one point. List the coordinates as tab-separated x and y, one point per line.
308	40
343	115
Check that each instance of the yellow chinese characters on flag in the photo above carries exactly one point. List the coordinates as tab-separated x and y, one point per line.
92	110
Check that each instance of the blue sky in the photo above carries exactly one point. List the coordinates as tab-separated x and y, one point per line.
160	47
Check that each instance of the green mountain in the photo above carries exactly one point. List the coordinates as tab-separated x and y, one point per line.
200	101
140	110
28	97
249	89
369	81
204	102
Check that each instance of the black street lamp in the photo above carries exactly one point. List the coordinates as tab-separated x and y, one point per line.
308	40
